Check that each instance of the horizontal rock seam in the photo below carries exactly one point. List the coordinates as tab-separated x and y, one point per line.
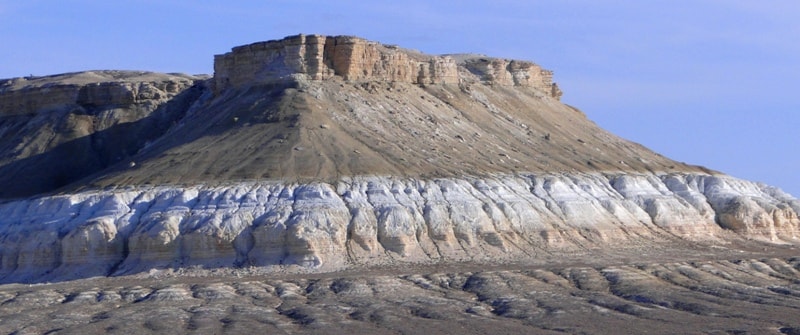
317	57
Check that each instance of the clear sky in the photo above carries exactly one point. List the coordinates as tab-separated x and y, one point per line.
708	82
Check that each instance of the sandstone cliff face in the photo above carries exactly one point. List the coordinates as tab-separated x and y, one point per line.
31	95
378	221
316	57
505	72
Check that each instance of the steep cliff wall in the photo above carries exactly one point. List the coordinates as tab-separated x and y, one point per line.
316	57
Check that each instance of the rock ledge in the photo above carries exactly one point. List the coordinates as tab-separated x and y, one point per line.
317	57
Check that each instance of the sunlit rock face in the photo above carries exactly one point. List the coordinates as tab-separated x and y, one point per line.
317	57
320	153
377	220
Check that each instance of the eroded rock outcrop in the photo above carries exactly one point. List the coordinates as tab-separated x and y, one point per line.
379	220
317	57
71	125
317	153
504	72
92	89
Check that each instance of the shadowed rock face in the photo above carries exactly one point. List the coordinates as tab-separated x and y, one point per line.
55	130
318	154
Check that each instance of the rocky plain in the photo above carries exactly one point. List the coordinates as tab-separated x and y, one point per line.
330	184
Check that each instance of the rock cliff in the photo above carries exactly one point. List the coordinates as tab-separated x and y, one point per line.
317	153
316	57
93	89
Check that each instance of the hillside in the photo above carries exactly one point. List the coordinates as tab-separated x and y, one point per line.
319	159
295	124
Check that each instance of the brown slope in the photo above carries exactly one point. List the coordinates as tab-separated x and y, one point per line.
299	109
322	130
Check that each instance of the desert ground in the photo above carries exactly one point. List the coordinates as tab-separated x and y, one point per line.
333	185
739	288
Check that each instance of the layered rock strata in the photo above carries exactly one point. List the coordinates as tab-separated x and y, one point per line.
294	111
55	130
316	57
318	153
378	220
93	89
748	296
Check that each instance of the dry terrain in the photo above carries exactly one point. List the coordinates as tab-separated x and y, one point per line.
748	289
320	184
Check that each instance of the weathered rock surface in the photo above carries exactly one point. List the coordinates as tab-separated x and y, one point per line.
316	57
744	296
92	89
377	221
55	130
316	153
306	108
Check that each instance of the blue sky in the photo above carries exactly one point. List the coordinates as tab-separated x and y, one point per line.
708	82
